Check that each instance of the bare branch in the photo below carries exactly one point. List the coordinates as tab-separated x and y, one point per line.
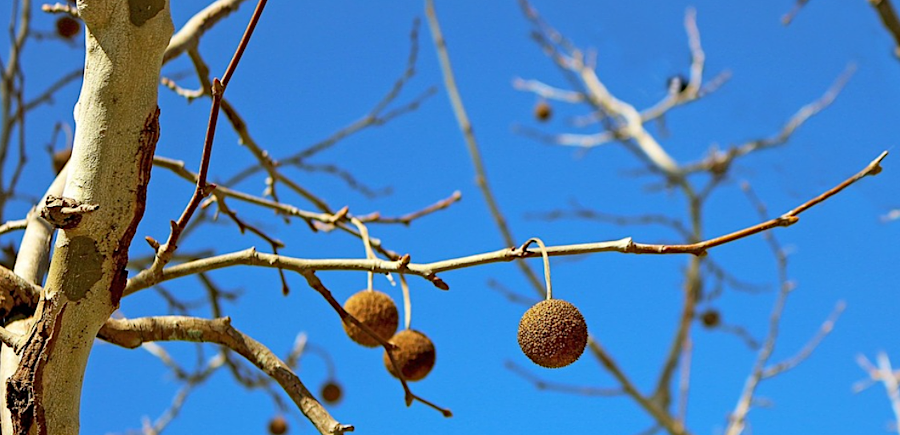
541	384
132	333
719	160
429	270
407	219
788	18
629	125
193	30
47	95
15	225
660	415
810	346
889	19
165	251
887	376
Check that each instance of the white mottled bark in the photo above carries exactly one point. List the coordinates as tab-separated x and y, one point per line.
116	132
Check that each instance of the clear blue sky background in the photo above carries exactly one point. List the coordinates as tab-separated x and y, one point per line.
314	67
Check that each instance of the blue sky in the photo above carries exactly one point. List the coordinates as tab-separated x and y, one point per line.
314	67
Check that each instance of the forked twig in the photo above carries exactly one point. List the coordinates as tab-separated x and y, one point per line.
165	251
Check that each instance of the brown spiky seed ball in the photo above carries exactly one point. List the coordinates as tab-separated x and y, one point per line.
711	318
278	425
414	354
332	392
67	27
553	333
375	310
542	111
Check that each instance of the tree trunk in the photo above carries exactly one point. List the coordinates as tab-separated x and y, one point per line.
116	132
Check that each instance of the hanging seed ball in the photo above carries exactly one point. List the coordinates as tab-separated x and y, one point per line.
542	111
67	27
711	318
375	310
278	425
332	392
414	354
553	333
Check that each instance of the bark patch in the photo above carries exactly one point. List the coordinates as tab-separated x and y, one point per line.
82	252
141	11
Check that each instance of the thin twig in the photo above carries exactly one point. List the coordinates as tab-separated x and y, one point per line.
810	346
408	218
577	390
788	18
719	161
165	251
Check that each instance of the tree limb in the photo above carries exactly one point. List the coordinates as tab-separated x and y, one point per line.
131	333
251	257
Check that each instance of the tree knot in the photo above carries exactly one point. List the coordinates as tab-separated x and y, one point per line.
65	213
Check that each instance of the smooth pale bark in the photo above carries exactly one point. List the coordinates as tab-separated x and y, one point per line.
116	131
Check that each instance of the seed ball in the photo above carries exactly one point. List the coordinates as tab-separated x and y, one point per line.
542	111
711	318
278	425
332	392
414	354
553	333
67	27
375	310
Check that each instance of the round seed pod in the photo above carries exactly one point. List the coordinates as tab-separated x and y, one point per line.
375	310
278	425
542	111
711	318
414	354
553	333
332	392
67	27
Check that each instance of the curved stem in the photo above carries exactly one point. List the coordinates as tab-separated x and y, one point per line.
546	258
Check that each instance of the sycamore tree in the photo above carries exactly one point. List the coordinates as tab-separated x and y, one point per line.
97	242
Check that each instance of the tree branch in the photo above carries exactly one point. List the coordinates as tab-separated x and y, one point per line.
132	333
889	19
251	257
189	34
